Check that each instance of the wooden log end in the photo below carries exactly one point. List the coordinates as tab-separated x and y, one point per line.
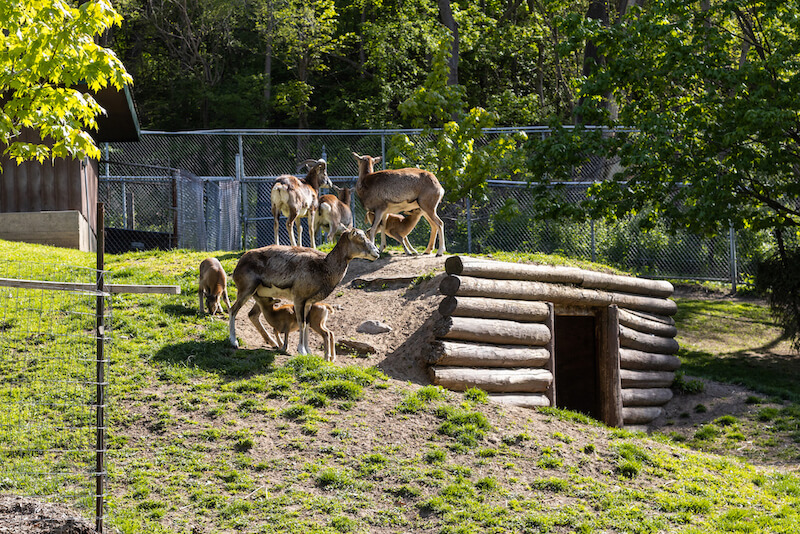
449	285
454	265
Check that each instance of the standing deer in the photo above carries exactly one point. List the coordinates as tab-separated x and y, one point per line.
400	190
301	275
299	197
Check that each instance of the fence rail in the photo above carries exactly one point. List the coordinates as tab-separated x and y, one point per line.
209	190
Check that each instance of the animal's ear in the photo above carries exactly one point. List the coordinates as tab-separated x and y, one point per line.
377	160
358	158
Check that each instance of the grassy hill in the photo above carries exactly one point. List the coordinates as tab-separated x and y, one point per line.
205	439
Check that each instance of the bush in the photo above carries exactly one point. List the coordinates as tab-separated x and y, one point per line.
779	279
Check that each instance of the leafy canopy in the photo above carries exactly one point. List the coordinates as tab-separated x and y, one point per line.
713	94
48	50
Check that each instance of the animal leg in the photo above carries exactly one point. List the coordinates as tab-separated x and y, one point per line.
255	317
290	228
408	247
244	293
225	296
376	223
276	220
200	295
311	232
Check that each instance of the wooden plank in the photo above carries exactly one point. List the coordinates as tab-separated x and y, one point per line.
550	322
491	380
631	339
498	270
482	355
640	415
646	396
646	325
494	331
646	379
466	286
89	288
647	361
608	371
523	400
513	310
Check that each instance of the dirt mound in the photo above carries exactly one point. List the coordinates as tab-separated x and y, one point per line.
397	290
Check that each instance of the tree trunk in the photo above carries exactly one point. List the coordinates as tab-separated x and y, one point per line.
446	16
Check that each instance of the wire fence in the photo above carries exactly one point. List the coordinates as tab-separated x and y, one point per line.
51	384
224	204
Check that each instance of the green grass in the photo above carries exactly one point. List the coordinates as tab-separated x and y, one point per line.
208	439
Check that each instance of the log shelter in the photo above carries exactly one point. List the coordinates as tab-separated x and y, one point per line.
541	335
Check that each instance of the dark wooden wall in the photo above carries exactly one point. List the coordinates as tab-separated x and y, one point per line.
56	185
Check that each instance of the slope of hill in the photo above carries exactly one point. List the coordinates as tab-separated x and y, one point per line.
207	439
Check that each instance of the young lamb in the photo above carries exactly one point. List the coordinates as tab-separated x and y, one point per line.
283	320
301	275
334	215
397	227
213	284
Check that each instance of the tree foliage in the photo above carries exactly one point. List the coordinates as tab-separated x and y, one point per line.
48	52
711	95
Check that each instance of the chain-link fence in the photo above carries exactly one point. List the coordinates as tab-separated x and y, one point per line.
52	327
152	201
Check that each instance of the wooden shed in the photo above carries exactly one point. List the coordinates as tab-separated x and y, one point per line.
540	335
54	202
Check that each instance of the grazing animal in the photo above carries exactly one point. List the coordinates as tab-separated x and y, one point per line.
296	198
301	275
400	190
283	320
334	215
397	227
213	285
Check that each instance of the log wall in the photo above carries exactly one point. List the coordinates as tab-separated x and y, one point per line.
496	333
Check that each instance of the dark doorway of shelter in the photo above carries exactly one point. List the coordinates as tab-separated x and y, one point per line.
576	364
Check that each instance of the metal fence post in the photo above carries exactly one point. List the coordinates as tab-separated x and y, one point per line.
734	259
594	244
100	373
469	226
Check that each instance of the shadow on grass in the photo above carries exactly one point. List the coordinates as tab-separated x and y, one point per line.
773	375
217	357
177	310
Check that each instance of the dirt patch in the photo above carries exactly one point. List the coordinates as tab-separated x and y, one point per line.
19	515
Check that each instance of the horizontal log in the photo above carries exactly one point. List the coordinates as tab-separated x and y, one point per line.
513	310
530	400
494	331
640	415
482	268
631	339
638	360
466	286
645	379
644	324
646	396
478	355
491	380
